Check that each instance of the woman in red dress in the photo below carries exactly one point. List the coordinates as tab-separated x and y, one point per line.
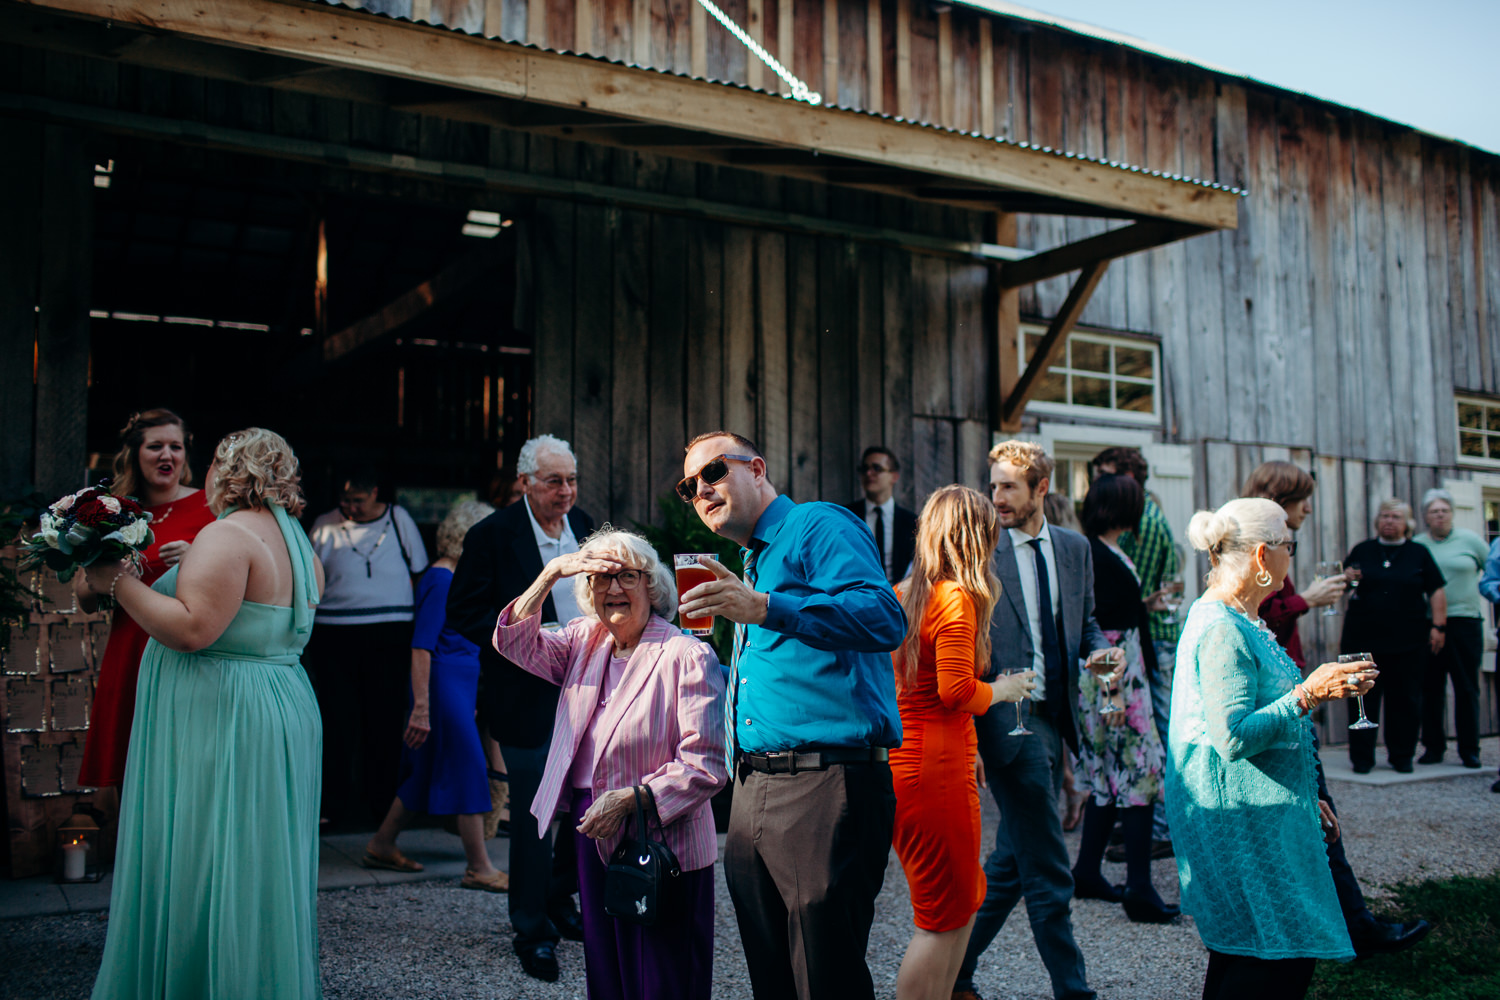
948	600
151	466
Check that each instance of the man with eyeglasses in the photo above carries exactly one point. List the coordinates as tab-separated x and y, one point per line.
810	719
502	555
894	527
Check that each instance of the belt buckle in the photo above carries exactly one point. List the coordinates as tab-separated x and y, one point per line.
775	755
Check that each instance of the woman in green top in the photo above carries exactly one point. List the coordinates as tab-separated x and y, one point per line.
1460	555
1242	791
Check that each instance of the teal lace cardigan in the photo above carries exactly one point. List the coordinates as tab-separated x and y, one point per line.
1242	795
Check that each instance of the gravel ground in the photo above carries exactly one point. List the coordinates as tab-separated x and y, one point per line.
432	939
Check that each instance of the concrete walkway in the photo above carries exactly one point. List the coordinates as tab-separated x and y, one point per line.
1336	765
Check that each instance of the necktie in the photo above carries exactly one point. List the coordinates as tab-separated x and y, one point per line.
731	696
880	540
1051	647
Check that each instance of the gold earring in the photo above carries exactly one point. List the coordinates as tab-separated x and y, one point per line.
1263	578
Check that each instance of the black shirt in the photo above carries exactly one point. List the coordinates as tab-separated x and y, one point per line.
1388	610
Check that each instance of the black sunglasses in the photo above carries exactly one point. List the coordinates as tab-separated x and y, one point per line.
712	472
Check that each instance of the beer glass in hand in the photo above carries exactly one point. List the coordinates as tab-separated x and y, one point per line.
690	574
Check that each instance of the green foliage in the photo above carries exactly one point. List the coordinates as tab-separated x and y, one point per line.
681	530
15	596
1459	960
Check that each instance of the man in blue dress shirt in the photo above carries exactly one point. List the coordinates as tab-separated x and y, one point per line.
811	716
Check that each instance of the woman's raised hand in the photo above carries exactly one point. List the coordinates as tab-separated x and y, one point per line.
1321	593
574	563
1333	681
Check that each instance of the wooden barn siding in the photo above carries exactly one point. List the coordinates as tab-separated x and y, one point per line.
812	346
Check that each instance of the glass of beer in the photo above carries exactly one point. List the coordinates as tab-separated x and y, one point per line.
691	573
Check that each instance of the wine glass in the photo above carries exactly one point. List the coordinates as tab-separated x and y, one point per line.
1020	729
1362	722
1172	597
1353	574
1115	657
1325	570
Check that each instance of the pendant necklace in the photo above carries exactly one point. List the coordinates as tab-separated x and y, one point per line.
369	571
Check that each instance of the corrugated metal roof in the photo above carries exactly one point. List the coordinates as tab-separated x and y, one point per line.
375	8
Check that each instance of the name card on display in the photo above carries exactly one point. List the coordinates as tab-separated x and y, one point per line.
25	706
68	643
71	759
70	705
25	653
41	776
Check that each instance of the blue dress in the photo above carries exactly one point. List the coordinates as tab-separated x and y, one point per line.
446	775
1242	796
216	875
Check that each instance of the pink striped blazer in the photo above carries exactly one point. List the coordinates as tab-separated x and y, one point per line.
663	727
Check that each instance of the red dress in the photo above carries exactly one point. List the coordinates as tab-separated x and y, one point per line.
114	693
937	831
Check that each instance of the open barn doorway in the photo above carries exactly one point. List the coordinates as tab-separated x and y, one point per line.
370	330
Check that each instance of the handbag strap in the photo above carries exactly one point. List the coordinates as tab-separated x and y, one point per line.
645	797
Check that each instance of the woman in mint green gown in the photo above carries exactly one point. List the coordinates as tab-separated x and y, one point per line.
215	885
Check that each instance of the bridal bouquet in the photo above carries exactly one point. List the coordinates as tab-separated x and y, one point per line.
85	527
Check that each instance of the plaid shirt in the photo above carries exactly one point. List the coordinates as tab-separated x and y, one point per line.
1155	558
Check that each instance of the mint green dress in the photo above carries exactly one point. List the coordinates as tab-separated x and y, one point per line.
215	885
1242	795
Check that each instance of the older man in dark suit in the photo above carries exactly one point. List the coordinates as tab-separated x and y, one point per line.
1044	621
894	527
502	555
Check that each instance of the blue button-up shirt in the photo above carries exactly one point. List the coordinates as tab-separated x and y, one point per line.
1489	583
818	673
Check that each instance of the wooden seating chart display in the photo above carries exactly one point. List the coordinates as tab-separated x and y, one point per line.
47	676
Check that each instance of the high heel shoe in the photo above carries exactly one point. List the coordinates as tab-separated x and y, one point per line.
1147	908
1097	888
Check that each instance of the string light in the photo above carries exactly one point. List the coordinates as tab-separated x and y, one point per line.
800	90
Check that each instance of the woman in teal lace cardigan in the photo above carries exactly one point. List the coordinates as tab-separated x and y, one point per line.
1242	796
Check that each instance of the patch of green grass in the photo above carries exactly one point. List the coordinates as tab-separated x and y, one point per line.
1459	960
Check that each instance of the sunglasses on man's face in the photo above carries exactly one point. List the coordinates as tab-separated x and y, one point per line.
712	472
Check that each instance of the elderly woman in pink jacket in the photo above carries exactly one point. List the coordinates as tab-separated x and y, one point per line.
641	704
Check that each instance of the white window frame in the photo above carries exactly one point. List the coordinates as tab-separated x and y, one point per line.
1471	460
1035	331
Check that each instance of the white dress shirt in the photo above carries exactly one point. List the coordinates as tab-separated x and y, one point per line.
1026	570
888	512
551	548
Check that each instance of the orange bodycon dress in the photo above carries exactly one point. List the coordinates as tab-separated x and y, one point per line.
937	832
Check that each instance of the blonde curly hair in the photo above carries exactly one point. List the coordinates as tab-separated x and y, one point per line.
1028	456
464	515
255	468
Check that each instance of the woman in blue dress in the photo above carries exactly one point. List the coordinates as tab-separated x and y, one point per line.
215	886
443	767
1242	791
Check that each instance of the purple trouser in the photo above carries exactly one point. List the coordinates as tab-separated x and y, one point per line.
674	960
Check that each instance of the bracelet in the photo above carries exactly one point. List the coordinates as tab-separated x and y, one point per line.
1305	699
1441	628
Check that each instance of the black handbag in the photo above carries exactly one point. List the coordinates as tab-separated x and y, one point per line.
643	878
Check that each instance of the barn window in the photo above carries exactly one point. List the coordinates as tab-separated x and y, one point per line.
1478	430
1099	375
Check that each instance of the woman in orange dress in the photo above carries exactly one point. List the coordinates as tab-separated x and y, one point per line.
151	466
948	600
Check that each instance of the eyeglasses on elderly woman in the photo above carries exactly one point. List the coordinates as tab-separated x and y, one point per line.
629	579
713	471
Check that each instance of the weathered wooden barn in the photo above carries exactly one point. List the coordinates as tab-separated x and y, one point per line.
415	232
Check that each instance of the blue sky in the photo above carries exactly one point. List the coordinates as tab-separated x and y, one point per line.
1433	64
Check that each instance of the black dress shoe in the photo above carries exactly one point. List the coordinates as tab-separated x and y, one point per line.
1496	786
1362	768
539	960
1144	908
1430	757
1403	767
569	923
1385	937
1472	763
1097	889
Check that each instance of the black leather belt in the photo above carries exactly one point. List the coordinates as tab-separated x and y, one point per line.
792	761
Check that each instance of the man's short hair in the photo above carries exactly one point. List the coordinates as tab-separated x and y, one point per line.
362	479
741	442
1028	456
880	449
543	444
1127	461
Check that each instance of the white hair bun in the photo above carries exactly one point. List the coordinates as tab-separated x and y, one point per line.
1209	528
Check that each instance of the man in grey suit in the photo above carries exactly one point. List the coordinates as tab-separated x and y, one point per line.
1044	621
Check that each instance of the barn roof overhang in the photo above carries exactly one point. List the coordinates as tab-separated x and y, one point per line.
338	51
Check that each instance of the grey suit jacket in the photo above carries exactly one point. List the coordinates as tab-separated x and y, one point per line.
1010	634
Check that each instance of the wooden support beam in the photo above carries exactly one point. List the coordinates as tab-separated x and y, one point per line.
22	169
874	58
1005	372
443	287
1105	246
378	45
1052	342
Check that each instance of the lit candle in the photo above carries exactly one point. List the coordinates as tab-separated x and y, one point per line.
75	860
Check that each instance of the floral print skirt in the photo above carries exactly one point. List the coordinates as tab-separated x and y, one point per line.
1120	765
